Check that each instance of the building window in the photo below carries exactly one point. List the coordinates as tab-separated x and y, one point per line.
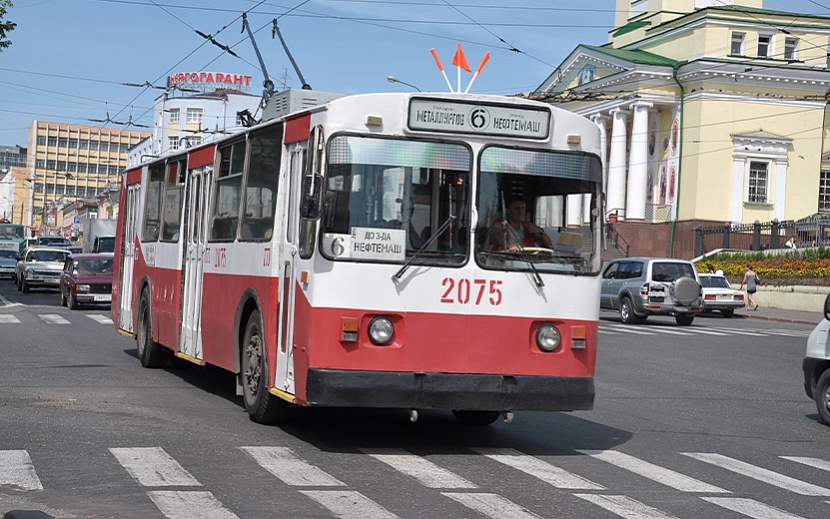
790	49
173	143
758	175
194	115
764	42
174	116
737	48
824	192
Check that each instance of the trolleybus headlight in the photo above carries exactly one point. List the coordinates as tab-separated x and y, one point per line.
381	330
548	338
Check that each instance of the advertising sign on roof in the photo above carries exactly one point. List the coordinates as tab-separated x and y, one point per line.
441	115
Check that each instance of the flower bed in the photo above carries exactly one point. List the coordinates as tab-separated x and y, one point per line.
809	267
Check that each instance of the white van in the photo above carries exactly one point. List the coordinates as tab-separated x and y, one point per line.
816	365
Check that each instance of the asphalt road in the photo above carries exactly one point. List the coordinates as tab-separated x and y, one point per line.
690	422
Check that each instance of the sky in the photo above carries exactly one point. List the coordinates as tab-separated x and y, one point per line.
71	60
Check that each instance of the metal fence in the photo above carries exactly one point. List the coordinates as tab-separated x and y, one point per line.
808	232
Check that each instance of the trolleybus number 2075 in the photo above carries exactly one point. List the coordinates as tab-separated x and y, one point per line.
354	255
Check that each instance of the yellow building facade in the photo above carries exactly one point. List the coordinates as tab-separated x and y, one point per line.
712	112
68	162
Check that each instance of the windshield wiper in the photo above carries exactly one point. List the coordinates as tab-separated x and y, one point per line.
444	226
536	277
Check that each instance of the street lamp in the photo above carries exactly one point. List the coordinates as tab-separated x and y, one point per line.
393	79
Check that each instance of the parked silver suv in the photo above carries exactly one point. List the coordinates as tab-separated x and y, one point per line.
639	287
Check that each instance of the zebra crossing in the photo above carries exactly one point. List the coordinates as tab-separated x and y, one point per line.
176	493
610	328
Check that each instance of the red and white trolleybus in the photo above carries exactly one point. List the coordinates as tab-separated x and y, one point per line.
345	255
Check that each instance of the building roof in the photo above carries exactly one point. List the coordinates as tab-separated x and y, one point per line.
639	57
754	10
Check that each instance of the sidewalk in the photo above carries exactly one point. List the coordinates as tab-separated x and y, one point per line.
777	314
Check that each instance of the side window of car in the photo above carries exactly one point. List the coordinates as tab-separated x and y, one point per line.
611	271
636	269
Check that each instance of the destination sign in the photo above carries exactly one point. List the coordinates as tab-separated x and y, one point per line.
440	115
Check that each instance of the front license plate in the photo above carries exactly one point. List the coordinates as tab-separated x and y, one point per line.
104	297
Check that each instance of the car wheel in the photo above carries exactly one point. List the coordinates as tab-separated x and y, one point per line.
729	312
476	417
63	298
684	319
627	311
24	286
72	302
150	353
262	406
822	395
19	286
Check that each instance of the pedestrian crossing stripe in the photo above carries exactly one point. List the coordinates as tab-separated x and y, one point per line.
8	319
53	319
171	488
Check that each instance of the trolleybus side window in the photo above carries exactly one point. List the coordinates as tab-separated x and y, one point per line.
261	184
173	199
152	207
560	191
225	214
388	200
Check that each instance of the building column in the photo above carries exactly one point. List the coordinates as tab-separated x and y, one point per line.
780	198
615	192
635	203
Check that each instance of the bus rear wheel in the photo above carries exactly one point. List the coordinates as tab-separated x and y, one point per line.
150	353
262	406
476	417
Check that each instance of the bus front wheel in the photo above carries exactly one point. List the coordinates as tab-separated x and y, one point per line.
262	406
150	353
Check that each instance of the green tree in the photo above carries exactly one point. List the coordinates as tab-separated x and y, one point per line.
5	26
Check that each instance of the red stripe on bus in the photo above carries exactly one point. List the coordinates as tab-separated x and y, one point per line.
134	176
297	127
201	157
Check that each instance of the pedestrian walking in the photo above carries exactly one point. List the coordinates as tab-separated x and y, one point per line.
752	281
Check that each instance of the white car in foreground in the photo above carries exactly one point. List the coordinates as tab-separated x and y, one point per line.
719	296
816	366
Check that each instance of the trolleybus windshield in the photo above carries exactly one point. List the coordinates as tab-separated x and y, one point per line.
384	198
560	192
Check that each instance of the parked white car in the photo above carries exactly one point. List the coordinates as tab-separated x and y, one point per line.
719	296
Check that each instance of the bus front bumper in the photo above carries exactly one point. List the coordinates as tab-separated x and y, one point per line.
474	392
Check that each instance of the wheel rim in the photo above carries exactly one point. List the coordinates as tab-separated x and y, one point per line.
625	311
826	399
253	365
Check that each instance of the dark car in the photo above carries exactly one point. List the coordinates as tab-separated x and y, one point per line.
87	279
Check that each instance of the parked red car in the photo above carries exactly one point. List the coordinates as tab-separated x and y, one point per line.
87	279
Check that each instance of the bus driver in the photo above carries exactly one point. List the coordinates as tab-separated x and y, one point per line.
518	233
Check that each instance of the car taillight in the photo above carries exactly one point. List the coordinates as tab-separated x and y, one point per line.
709	297
644	289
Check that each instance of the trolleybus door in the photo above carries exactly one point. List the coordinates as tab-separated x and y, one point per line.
196	202
288	251
129	246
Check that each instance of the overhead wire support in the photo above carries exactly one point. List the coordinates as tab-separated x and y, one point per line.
276	30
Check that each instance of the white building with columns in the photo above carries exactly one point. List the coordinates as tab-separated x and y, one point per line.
712	112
